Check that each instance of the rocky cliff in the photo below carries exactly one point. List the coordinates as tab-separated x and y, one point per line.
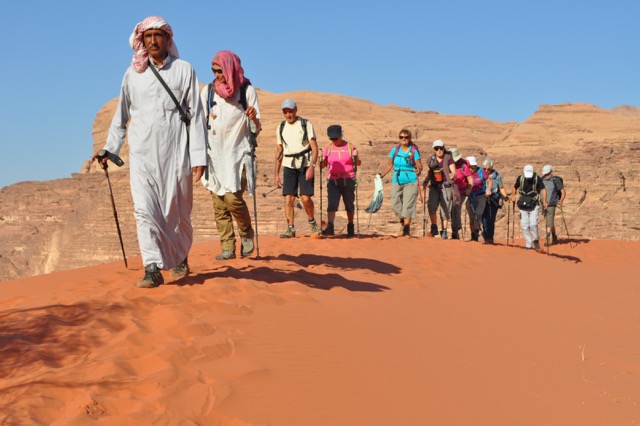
68	223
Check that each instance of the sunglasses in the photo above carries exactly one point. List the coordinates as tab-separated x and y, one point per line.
404	137
333	139
439	148
216	70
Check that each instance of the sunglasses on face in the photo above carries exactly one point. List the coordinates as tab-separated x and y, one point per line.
439	148
404	137
216	70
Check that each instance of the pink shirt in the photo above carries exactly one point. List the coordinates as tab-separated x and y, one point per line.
339	161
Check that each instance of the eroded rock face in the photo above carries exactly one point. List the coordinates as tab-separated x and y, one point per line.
68	223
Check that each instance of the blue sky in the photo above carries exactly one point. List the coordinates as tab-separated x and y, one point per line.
62	61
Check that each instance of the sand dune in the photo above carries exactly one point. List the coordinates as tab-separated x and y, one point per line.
371	331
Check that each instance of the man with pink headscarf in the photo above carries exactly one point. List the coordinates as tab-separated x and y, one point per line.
165	155
233	119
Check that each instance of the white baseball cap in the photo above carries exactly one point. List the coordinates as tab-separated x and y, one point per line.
437	143
528	171
547	169
472	161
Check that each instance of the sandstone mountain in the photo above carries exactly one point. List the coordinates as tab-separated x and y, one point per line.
68	223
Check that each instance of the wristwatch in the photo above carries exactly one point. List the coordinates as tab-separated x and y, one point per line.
313	164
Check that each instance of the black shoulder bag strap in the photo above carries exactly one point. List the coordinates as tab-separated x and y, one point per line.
183	116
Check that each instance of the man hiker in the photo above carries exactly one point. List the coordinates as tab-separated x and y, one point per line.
165	155
297	151
341	159
555	197
231	104
529	190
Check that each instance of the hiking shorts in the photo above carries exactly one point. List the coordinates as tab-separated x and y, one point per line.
440	197
550	216
343	187
294	180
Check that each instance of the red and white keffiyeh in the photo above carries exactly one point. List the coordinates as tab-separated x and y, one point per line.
140	58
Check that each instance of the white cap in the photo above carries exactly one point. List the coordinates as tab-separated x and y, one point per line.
547	169
288	104
472	161
528	171
437	143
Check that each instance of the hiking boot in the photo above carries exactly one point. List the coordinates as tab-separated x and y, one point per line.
152	277
488	241
455	235
226	255
536	245
246	247
313	225
474	235
181	270
328	230
351	232
406	231
551	241
434	230
289	233
443	234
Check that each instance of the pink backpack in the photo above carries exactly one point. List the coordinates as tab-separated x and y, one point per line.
461	175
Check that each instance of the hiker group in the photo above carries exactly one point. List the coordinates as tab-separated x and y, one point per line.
179	134
454	182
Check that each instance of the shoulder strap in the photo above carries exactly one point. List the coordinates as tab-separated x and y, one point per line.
243	94
183	116
305	135
395	153
280	131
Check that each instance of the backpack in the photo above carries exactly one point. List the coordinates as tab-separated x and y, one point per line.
349	147
442	175
305	137
528	200
412	155
460	179
211	101
484	183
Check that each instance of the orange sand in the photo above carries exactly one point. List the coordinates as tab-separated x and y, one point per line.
369	331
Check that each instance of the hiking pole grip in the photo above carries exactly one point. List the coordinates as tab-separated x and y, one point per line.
114	158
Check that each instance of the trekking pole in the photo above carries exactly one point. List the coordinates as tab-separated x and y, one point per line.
264	194
321	182
508	220
546	229
464	227
424	211
117	161
513	223
254	144
565	226
355	170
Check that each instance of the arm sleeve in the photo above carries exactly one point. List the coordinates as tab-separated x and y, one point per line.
198	127
118	129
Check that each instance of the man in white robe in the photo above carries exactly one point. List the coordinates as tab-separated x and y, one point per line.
165	157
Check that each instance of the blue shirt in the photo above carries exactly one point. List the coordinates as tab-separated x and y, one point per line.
403	168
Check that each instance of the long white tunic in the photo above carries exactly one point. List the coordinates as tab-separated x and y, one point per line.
229	145
161	157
